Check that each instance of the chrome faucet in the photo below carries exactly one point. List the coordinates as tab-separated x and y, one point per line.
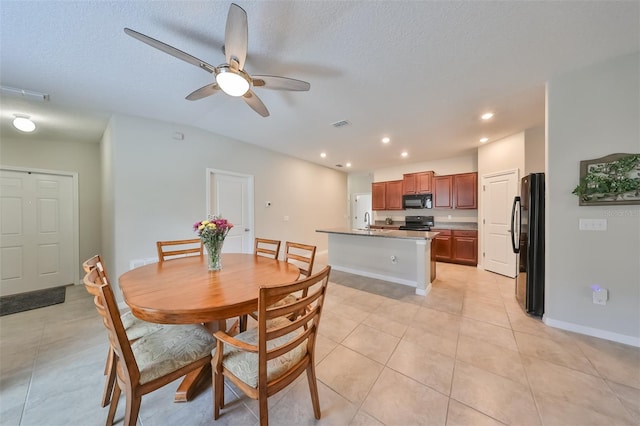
367	219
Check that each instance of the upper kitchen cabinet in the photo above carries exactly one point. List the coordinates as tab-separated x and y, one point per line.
456	191
442	191
465	191
386	195
417	183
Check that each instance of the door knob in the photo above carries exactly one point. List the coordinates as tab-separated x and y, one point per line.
247	229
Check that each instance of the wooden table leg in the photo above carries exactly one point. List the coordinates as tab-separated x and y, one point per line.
192	383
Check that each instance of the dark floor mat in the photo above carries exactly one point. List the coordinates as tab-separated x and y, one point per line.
32	300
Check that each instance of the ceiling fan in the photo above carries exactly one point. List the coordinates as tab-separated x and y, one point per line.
230	77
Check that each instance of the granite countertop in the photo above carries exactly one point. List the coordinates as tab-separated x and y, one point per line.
384	233
466	226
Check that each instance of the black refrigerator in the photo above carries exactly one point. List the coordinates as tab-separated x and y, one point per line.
527	238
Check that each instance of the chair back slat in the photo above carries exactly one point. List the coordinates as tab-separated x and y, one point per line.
267	248
179	248
306	312
107	307
301	255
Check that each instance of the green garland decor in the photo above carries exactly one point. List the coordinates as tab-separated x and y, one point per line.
614	179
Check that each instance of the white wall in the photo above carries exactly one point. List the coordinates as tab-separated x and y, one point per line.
592	113
80	157
159	187
534	150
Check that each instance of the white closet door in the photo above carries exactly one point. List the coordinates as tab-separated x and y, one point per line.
36	231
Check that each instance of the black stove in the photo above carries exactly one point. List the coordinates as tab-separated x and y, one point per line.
417	223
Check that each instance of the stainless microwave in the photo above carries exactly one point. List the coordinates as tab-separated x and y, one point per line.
417	201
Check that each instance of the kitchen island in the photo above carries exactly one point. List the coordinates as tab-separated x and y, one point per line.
403	257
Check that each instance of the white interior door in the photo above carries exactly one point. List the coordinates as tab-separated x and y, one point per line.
499	190
361	204
231	196
37	231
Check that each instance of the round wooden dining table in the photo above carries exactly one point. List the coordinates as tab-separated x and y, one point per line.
184	291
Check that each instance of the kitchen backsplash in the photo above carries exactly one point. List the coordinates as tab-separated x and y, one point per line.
439	215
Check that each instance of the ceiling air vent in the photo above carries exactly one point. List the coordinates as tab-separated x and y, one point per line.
341	123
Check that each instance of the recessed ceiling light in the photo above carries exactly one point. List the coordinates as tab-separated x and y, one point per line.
386	140
348	164
24	123
323	154
483	140
404	153
487	115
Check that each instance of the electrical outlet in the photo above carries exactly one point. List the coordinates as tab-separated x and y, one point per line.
600	295
286	219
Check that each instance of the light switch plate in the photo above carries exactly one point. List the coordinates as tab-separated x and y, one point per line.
592	224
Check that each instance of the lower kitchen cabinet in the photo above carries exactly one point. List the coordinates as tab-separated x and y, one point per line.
465	247
456	246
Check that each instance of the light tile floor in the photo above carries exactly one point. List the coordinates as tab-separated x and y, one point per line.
464	355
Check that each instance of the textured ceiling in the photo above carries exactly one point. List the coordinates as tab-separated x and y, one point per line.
420	72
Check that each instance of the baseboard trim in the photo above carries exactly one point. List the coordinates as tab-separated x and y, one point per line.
594	332
376	276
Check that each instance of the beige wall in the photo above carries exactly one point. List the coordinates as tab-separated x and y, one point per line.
591	113
534	150
499	156
82	158
159	187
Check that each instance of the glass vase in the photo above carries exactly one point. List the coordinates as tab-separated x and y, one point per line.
214	251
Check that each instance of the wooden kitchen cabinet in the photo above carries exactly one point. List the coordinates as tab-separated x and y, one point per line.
458	191
417	183
442	191
465	191
378	195
456	246
465	247
386	195
443	245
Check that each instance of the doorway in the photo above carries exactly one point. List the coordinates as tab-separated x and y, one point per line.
360	204
499	190
38	230
231	196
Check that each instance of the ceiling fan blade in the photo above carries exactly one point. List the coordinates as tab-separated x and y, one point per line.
170	50
203	92
236	35
254	102
280	83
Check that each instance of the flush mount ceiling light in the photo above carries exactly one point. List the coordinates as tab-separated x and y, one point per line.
232	82
24	123
483	140
386	140
487	116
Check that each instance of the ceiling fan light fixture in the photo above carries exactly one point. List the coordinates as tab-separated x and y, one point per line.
232	82
24	123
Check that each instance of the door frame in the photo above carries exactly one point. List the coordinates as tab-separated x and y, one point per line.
210	174
74	208
515	172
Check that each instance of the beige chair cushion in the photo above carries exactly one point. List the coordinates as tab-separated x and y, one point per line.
170	348
244	365
136	328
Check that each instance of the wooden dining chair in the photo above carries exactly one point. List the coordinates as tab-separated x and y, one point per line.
263	361
266	247
134	327
153	360
179	248
301	255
